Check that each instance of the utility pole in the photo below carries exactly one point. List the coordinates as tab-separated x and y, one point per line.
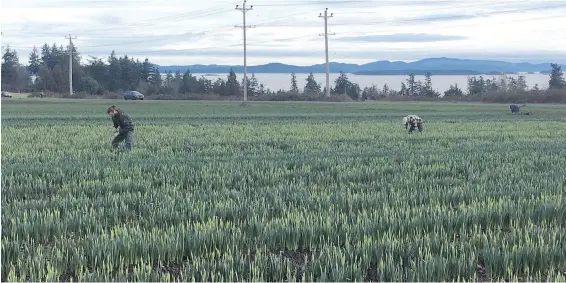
326	34
244	27
71	63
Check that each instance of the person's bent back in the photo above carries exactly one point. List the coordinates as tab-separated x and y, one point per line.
124	125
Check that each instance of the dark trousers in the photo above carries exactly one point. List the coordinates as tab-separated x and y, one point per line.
416	126
126	136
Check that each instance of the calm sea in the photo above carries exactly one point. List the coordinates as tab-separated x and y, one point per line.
440	83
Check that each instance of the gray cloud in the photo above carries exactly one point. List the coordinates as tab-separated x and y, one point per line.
169	38
36	28
436	18
108	19
415	20
235	51
440	18
529	5
281	55
232	55
417	54
132	27
75	4
88	43
354	3
402	37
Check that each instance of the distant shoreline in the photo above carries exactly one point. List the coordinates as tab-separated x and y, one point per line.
437	66
395	73
433	73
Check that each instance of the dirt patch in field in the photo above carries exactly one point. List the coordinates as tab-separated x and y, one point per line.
68	276
173	268
372	274
297	256
547	113
481	273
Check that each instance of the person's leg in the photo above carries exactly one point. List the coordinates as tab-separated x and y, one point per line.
117	140
128	139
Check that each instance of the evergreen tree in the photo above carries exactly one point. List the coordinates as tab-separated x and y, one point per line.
10	64
14	76
427	89
556	78
454	91
34	62
252	85
386	90
311	86
114	73
294	86
344	86
232	85
411	85
404	90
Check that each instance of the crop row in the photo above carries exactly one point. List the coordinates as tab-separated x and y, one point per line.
340	202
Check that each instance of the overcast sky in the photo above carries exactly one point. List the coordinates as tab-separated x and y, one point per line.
184	32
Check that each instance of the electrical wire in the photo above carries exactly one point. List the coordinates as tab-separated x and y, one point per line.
147	22
305	36
448	17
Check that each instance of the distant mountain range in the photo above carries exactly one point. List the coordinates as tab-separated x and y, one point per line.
437	66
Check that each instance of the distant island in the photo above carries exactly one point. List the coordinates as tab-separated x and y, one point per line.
436	66
418	72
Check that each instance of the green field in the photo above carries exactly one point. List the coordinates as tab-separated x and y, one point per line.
221	191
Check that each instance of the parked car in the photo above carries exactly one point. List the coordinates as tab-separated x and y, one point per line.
6	94
133	95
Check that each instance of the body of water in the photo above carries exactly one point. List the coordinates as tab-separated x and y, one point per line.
440	83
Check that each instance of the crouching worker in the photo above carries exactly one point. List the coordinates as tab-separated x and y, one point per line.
413	122
122	121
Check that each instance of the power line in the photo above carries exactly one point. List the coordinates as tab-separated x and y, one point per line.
244	27
282	19
300	37
288	39
286	18
239	45
482	5
157	39
449	17
148	22
152	40
121	43
169	19
262	43
326	16
323	2
474	24
71	63
183	16
274	23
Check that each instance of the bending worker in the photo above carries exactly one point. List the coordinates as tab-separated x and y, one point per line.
122	121
413	122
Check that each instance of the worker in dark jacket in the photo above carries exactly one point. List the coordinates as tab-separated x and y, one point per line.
515	108
124	126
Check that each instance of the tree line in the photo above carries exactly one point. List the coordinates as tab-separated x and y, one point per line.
48	71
